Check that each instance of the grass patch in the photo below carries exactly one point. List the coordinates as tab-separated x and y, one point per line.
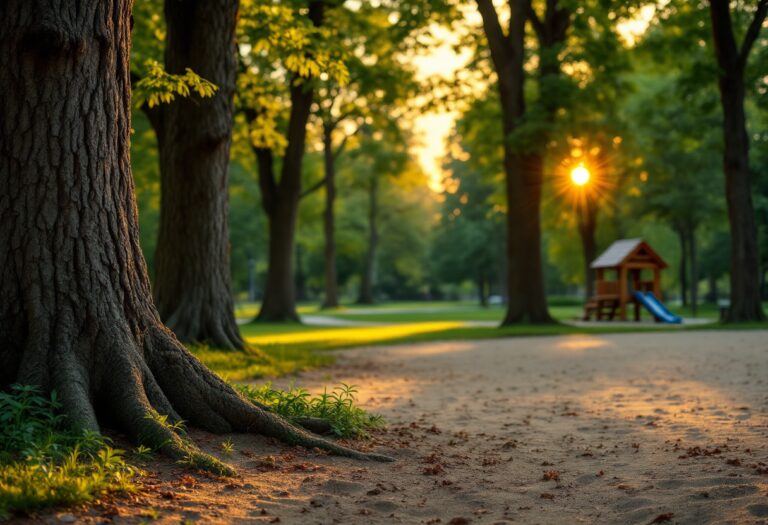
42	464
337	407
268	361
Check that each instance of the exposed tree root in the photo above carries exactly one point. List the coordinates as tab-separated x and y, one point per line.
205	400
150	391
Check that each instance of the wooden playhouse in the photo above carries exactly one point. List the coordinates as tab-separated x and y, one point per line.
628	265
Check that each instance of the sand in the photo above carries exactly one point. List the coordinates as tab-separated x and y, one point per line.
625	428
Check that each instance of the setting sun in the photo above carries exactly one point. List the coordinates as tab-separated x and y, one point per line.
580	175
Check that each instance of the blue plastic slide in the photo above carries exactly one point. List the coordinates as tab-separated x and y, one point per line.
657	309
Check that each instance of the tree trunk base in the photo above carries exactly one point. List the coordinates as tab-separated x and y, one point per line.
149	387
217	329
525	318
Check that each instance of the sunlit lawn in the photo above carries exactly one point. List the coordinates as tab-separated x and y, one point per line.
280	349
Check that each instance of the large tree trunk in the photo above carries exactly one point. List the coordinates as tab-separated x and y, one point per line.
587	224
76	310
745	259
192	274
331	299
526	302
369	265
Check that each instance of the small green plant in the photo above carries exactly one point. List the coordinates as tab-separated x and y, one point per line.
176	426
42	463
228	447
142	453
337	407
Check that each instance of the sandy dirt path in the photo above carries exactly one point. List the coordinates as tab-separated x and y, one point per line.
626	428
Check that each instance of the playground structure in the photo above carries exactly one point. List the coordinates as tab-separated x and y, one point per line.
622	279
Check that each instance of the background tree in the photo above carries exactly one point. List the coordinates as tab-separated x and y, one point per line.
377	90
192	271
283	41
470	235
77	315
526	301
382	154
732	58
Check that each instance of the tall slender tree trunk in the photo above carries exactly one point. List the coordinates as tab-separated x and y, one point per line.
192	274
682	274
712	294
526	302
301	276
551	31
331	299
745	258
587	224
369	266
280	199
482	289
76	310
694	263
279	302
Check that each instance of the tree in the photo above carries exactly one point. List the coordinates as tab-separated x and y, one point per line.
376	91
470	232
679	168
732	60
76	314
290	48
525	279
381	154
192	275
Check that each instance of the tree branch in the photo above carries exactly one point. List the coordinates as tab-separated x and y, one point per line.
753	31
538	25
722	33
155	114
312	189
340	149
497	42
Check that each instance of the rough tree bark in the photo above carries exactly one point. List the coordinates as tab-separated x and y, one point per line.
280	199
745	259
76	310
192	275
526	301
366	295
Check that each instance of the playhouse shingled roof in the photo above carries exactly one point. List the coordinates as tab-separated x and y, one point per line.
620	250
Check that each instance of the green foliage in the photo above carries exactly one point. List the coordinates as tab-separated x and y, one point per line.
157	86
280	47
337	407
43	464
469	240
227	447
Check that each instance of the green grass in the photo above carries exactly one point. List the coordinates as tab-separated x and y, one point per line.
337	407
42	464
294	347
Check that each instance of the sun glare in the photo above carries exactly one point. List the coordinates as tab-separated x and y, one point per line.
580	175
